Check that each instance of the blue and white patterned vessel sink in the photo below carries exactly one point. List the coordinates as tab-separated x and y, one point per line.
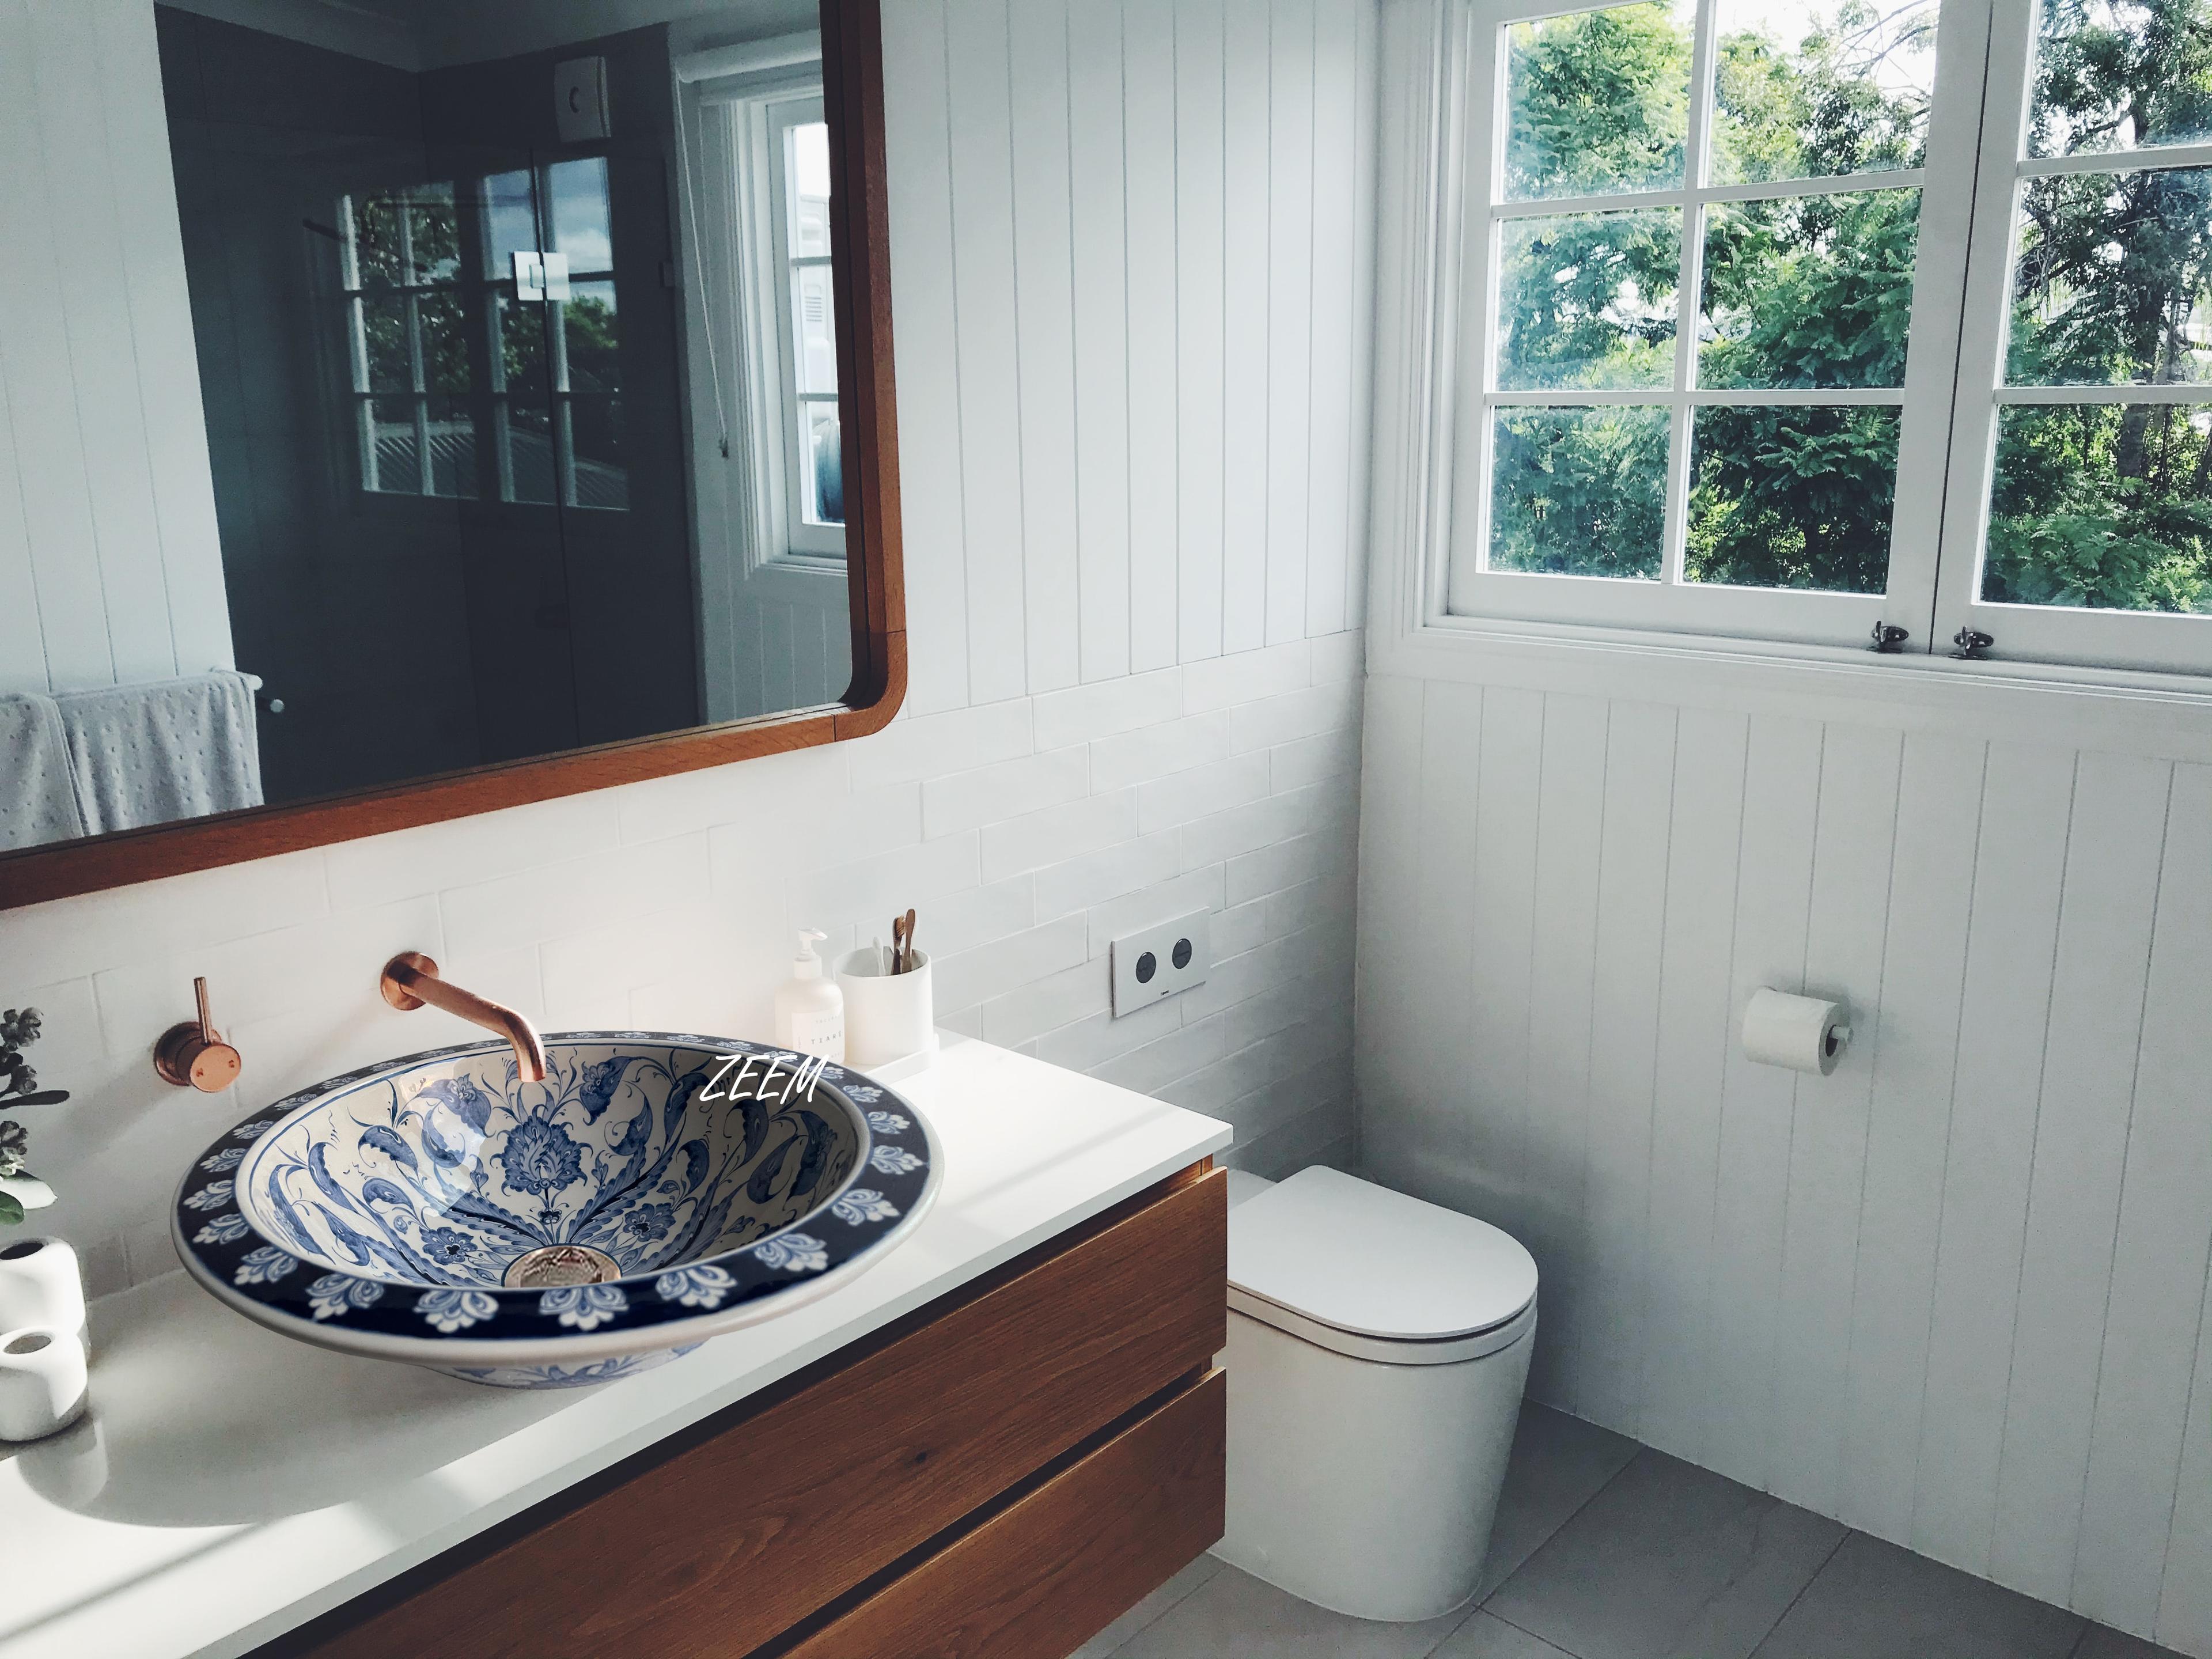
654	1190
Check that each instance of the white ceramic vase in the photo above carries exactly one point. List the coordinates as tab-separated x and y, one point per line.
42	1380
41	1284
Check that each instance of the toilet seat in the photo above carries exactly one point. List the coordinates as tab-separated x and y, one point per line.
1374	1274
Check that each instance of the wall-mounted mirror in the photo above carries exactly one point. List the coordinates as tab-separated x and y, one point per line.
544	351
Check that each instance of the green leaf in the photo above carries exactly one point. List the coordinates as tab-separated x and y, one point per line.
11	1212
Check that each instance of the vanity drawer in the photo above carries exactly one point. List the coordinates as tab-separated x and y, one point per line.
1043	1575
733	1533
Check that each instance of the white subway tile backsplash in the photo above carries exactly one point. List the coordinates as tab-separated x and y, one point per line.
1154	1065
867	892
1339	656
1203	790
989	794
1159	751
1223	682
1197	889
1106	707
1084	1045
1310	760
931	745
331	962
1306	714
1048	1004
557	899
978	917
1289	864
461	851
1036	841
991	970
1095	878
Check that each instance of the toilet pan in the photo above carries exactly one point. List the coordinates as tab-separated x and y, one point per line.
1377	1349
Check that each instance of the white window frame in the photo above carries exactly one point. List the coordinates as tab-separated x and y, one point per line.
2126	639
1440	436
735	131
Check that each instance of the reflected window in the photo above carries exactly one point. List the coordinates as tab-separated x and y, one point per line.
407	347
813	440
547	345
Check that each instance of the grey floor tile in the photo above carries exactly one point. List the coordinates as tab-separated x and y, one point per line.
1875	1601
1669	1561
1235	1616
1559	1462
1485	1637
1117	1635
2102	1642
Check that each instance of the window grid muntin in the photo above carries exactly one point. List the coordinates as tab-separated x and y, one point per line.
1693	198
409	291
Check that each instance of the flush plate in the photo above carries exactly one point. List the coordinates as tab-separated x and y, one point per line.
1157	962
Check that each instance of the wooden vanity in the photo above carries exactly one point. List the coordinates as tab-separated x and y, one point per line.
997	1475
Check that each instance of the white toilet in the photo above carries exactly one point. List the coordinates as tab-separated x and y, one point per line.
1378	1347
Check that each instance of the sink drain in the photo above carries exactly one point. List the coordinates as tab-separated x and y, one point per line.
561	1264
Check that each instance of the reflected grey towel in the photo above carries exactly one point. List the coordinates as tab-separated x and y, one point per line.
38	794
152	753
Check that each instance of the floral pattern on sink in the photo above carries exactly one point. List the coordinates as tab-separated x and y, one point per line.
388	1203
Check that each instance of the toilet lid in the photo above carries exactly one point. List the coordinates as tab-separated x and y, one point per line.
1363	1259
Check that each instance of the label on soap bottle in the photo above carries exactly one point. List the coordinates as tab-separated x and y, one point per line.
818	1031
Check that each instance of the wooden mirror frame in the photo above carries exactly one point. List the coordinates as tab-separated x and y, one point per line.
852	95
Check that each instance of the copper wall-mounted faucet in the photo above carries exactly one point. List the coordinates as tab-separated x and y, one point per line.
411	979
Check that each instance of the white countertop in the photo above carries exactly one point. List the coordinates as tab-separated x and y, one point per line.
232	1484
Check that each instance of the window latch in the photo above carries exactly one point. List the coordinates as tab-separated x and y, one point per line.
1889	639
1972	645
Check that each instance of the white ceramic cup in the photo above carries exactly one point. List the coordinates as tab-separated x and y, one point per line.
42	1380
40	1285
887	1016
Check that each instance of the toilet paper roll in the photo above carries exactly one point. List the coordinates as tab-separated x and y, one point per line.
1806	1034
40	1285
42	1382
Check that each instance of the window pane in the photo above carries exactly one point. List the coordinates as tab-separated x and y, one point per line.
1809	291
815	329
510	222
2112	279
452	449
1586	300
581	225
1811	88
444	342
2115	75
522	345
1598	101
595	431
399	457
1793	497
2103	505
593	339
825	462
1579	492
529	453
806	155
376	243
436	232
383	336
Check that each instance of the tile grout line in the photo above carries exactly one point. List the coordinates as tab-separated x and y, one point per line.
1826	1560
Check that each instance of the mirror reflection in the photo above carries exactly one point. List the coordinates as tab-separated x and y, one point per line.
516	335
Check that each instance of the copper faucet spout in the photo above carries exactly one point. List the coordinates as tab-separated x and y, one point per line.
411	979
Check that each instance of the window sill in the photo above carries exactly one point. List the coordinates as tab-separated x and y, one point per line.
2161	714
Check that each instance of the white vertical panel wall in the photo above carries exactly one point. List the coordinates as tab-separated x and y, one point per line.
1099	734
1954	1294
110	568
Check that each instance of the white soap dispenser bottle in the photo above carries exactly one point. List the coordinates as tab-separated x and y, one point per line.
810	1010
